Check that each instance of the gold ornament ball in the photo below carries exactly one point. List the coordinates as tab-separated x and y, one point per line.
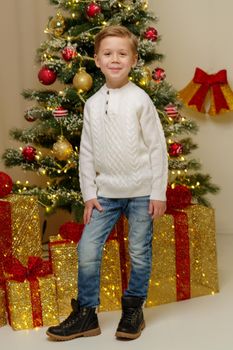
57	25
62	149
146	76
82	80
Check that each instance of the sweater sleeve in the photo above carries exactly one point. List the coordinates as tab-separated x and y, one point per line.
154	139
87	173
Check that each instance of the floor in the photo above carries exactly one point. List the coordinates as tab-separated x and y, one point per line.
203	323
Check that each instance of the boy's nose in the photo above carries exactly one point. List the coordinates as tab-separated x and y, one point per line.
115	57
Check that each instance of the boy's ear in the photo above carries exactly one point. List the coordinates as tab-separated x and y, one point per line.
96	60
135	61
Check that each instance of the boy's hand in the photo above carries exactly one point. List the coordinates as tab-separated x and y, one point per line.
157	208
89	205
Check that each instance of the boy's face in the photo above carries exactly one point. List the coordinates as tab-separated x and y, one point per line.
115	58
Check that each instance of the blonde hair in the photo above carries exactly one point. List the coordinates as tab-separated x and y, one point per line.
118	31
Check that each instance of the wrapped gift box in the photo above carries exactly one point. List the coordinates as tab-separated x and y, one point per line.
184	256
2	308
112	278
184	261
63	256
20	228
31	294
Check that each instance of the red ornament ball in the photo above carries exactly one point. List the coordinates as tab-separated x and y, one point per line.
29	117
71	230
47	76
6	184
60	112
29	153
69	52
171	111
175	149
158	74
151	34
178	197
93	9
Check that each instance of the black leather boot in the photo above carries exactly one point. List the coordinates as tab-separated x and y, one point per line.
132	321
82	322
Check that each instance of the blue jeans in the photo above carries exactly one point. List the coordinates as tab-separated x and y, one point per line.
94	237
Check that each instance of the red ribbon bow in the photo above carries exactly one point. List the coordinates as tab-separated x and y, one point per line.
36	268
207	81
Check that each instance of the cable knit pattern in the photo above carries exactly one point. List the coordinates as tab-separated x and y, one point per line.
123	150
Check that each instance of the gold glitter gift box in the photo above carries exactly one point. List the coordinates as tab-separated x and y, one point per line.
64	259
31	294
184	256
2	308
20	227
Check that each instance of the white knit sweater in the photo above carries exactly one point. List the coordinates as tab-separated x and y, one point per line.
123	149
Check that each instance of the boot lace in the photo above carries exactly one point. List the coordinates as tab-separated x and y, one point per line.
71	319
130	315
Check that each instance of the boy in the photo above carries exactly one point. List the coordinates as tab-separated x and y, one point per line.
123	169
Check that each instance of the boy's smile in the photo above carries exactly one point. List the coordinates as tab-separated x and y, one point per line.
115	58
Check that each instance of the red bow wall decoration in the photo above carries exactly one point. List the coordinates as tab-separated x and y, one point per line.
216	86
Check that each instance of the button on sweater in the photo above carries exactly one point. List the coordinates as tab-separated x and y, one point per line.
123	150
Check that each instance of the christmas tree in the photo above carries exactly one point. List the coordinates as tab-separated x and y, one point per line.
50	146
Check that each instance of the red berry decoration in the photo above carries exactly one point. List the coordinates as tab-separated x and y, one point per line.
29	153
172	111
93	9
47	76
60	112
178	197
158	74
6	184
151	34
71	230
69	52
175	149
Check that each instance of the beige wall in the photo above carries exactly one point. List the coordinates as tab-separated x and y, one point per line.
194	33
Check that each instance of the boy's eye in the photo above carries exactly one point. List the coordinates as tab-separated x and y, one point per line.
106	53
123	53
